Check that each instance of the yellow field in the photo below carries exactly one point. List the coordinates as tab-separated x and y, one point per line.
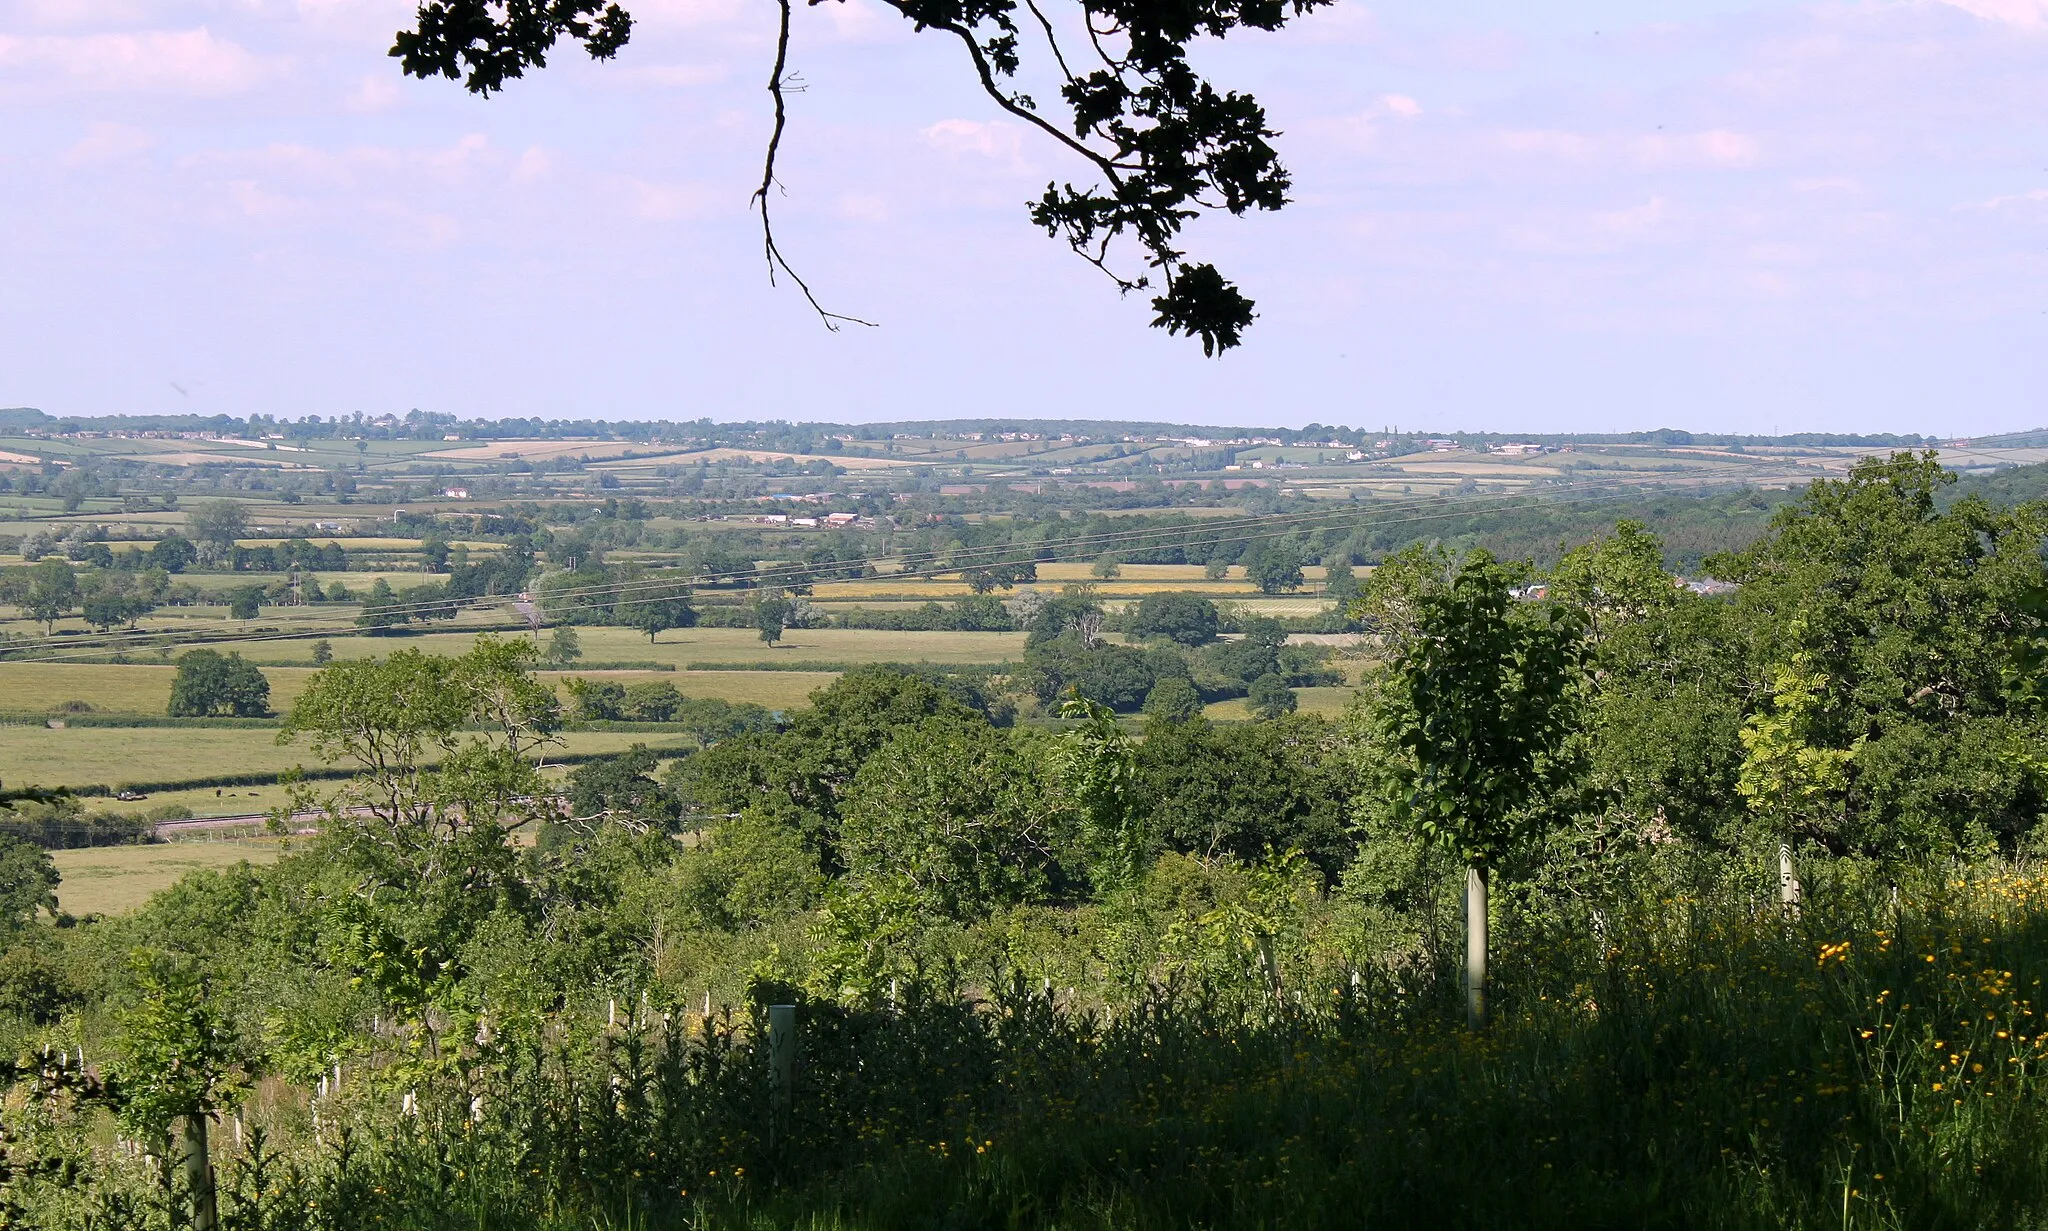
113	880
111	756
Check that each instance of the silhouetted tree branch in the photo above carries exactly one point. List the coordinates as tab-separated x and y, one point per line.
1166	143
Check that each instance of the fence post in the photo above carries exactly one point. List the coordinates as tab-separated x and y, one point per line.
781	1067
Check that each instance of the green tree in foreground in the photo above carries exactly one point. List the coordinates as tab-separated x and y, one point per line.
28	884
1483	701
177	1064
210	684
443	746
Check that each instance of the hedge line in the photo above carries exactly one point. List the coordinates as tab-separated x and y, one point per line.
41	717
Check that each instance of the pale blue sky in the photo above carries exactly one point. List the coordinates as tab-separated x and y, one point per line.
1592	216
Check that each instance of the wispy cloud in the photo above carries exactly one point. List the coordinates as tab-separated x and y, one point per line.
181	62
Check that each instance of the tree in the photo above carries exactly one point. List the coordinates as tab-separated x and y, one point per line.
1188	619
1340	584
28	884
564	647
1173	699
173	553
951	811
656	701
598	700
620	789
323	652
1216	569
1482	702
46	592
653	613
1785	779
1391	601
982	578
1615	580
111	599
211	684
770	616
1270	697
1166	143
215	526
799	775
1907	607
1078	612
1276	567
1106	568
244	603
444	748
178	1062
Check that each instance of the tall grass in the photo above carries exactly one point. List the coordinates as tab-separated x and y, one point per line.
1682	1060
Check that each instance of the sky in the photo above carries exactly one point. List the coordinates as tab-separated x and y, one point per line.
1583	215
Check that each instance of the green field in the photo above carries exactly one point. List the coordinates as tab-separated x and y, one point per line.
1328	702
79	756
112	880
145	688
134	688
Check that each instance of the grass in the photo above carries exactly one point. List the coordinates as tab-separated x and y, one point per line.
1694	1060
1328	702
113	880
131	688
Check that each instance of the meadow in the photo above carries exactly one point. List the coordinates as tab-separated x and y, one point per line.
112	880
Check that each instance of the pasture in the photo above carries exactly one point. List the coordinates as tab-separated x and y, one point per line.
113	880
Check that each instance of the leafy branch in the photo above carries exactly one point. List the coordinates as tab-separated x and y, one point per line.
1166	143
